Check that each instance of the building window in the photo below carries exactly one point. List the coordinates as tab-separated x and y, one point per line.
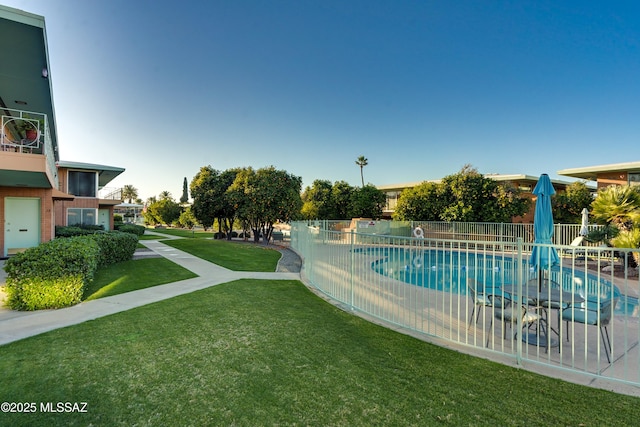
82	184
634	179
392	200
78	216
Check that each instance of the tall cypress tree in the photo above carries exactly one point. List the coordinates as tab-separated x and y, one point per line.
185	192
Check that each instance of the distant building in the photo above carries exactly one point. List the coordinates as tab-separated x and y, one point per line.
131	212
606	175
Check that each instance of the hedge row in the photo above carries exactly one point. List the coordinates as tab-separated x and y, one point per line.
115	246
85	230
55	274
77	230
138	230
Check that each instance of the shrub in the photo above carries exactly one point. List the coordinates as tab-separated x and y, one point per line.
138	230
77	230
115	246
40	294
70	231
51	275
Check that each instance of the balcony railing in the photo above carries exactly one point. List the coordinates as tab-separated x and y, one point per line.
28	132
110	193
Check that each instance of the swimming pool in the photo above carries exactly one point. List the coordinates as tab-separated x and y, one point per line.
448	270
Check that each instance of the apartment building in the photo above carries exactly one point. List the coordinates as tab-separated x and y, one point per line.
627	173
37	190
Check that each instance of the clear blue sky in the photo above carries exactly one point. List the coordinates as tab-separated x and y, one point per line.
420	88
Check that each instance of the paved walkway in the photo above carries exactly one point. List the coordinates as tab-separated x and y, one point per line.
16	325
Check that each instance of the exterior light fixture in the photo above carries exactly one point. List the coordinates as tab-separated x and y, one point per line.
45	73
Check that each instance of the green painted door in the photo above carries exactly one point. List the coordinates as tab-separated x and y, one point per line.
21	223
103	218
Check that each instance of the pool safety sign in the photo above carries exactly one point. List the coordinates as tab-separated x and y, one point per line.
366	224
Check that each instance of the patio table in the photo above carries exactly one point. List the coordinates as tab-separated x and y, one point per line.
543	298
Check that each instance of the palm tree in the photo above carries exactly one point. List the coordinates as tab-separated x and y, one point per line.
362	162
165	195
618	205
129	192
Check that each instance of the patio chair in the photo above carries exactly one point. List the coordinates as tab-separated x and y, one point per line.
593	314
479	298
580	255
508	311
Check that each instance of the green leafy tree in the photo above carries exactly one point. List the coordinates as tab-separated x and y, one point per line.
309	210
422	202
164	211
568	205
227	211
212	201
318	201
187	219
341	197
367	202
165	195
129	192
465	196
266	196
362	161
203	207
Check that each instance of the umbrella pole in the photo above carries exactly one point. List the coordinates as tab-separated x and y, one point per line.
540	279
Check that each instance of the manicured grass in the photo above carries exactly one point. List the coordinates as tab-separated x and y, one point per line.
150	237
133	275
271	353
189	234
232	255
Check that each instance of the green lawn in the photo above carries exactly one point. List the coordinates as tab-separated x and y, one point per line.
147	272
232	255
133	275
150	237
189	234
257	352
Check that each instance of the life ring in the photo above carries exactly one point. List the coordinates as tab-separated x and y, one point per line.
417	261
418	233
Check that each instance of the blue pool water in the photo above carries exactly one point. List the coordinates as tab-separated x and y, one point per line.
448	271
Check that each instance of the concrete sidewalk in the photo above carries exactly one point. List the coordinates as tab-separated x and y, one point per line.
16	325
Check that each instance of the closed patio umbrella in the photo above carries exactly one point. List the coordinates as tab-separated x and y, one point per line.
584	229
543	257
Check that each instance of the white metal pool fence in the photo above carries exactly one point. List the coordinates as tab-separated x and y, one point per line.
563	234
585	322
